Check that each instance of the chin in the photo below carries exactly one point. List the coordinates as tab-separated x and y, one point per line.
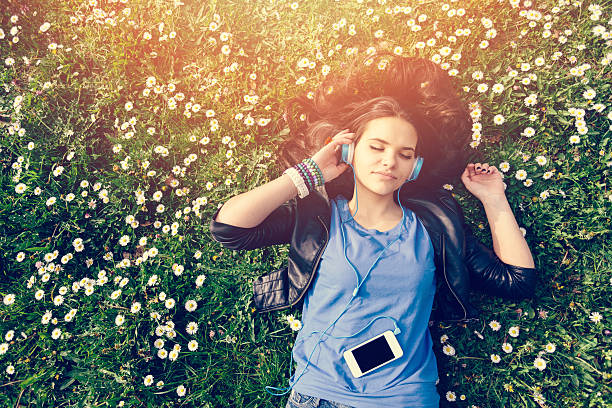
383	190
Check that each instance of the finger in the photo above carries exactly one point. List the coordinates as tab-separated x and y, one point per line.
345	136
466	177
344	140
481	168
337	141
471	169
334	137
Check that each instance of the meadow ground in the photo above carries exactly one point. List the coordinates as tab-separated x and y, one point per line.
124	124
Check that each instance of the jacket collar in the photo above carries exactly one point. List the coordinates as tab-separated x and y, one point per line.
424	205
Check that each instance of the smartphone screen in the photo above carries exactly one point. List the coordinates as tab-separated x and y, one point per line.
373	354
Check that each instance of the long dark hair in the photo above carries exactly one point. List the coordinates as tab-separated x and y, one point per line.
411	88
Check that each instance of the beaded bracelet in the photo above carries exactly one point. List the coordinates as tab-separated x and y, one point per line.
306	176
318	172
305	173
298	181
314	173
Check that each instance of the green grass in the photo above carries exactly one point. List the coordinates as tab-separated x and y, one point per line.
101	65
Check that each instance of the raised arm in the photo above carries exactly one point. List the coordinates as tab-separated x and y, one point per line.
485	182
266	215
249	209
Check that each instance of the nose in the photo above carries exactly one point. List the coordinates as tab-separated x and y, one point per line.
388	160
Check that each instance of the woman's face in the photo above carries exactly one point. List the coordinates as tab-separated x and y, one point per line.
387	145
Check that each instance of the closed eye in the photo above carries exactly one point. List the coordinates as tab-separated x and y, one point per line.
404	156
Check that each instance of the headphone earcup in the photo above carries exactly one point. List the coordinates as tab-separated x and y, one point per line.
348	152
415	170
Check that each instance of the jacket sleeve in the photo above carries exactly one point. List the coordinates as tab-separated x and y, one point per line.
488	273
491	275
276	229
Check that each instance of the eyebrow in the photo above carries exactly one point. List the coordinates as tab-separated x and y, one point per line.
384	142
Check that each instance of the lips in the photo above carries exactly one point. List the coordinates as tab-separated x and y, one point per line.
385	174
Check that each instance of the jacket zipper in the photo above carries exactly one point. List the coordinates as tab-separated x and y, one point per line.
316	263
446	278
311	275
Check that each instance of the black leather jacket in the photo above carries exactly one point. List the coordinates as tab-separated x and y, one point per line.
462	262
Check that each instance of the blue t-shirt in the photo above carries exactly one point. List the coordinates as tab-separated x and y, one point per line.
401	285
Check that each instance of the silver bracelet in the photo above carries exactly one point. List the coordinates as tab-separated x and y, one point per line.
298	181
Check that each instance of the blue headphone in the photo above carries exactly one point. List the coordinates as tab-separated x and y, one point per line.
348	152
347	157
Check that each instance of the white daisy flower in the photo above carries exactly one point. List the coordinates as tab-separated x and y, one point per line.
9	335
20	188
191	305
539	363
596	317
296	325
9	299
200	280
192	345
541	160
451	396
521	175
589	94
191	328
497	88
57	332
124	240
3	348
528	132
448	350
494	325
499	119
148	380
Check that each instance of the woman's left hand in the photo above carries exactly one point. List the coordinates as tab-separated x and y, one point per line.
484	181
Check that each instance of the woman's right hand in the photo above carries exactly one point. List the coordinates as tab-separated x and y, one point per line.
327	157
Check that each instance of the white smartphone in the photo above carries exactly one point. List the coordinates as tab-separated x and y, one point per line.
373	353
